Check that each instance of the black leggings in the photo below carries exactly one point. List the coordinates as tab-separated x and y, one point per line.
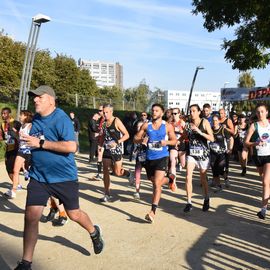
218	164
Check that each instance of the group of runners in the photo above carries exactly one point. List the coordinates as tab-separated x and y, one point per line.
164	143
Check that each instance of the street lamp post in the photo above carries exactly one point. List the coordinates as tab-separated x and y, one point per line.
29	61
192	86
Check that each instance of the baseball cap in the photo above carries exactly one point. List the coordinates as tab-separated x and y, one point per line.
43	89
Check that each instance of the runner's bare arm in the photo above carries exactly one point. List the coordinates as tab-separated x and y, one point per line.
139	136
231	127
209	133
120	126
250	132
60	146
171	135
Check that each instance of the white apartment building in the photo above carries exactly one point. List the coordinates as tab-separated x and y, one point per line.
179	99
104	73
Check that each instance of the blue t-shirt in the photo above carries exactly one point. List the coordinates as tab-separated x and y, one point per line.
49	166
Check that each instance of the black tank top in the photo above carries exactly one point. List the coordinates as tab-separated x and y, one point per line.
219	146
198	147
111	134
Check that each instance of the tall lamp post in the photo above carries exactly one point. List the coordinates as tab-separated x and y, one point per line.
226	105
29	60
192	86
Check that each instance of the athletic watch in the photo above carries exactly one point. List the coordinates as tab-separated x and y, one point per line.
41	142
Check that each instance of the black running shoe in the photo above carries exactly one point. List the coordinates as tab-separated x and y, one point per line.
23	266
261	215
97	240
61	221
51	214
244	171
206	205
188	207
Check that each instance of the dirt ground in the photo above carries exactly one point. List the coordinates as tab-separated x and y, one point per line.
229	236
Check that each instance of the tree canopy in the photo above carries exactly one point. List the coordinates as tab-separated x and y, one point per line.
246	80
250	48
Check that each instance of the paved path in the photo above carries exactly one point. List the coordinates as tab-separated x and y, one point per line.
229	236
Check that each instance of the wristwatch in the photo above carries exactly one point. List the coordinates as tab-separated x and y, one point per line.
41	142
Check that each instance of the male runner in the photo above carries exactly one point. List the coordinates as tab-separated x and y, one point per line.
53	172
160	134
114	134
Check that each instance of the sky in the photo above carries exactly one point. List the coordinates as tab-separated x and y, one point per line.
156	40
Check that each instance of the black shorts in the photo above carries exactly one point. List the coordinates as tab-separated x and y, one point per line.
114	157
10	160
38	193
27	158
151	166
260	161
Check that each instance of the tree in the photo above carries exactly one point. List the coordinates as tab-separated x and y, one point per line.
249	49
246	80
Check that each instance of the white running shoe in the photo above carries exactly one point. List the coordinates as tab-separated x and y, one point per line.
136	196
10	194
106	198
19	188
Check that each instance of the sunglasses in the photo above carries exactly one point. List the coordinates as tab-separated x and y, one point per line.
144	115
175	113
100	110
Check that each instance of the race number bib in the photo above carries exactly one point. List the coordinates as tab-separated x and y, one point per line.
155	146
142	156
214	147
108	145
196	151
264	149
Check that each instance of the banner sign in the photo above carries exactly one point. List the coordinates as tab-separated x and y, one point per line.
238	94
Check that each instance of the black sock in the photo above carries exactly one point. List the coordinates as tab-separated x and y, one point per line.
99	165
27	263
154	208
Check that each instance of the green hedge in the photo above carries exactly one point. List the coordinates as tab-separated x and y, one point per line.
81	113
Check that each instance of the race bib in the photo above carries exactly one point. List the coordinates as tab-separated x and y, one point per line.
155	146
214	147
263	150
108	145
196	151
142	156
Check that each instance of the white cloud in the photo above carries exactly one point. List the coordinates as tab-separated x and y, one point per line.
145	7
138	30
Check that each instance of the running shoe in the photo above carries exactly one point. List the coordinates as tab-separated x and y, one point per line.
244	171
10	194
61	221
106	198
188	208
98	177
51	214
227	183
206	205
136	196
19	188
97	240
23	266
261	215
218	189
172	182
26	175
131	179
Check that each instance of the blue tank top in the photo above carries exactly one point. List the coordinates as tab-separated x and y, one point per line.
154	148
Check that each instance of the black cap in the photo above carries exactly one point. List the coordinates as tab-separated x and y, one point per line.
41	90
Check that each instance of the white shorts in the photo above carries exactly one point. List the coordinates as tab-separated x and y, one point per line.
200	164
